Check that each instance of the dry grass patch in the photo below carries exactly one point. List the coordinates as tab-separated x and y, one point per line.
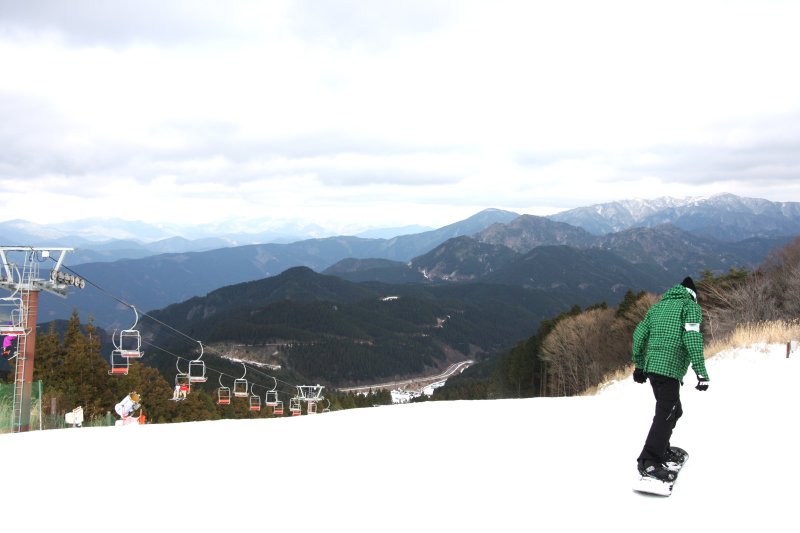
767	332
618	375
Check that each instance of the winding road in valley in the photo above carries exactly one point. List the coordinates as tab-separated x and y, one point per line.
413	383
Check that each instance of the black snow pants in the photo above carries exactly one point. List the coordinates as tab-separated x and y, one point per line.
668	410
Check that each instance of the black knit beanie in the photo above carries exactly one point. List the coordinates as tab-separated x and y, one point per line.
689	284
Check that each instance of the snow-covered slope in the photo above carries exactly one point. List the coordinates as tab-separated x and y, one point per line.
546	464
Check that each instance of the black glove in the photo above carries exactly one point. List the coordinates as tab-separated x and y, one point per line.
702	383
638	376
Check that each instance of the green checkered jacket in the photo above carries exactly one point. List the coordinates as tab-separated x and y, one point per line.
669	337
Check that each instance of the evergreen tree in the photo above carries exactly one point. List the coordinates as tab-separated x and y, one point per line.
520	368
85	368
628	301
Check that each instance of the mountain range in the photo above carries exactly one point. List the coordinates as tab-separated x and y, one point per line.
659	255
112	239
723	217
492	246
346	309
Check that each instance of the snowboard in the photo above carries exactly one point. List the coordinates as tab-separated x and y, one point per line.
648	485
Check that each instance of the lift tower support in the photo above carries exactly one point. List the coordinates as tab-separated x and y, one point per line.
20	274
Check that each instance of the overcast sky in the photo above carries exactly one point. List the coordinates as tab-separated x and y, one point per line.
360	113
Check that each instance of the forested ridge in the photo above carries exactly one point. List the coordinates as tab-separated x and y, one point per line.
341	333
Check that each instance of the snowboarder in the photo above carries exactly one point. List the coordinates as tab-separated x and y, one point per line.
665	342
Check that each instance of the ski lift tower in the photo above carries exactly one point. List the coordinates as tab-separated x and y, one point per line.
20	274
311	394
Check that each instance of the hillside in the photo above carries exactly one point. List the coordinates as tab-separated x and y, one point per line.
527	232
382	270
342	333
462	259
427	461
597	275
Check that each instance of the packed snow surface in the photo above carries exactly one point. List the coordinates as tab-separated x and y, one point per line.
543	464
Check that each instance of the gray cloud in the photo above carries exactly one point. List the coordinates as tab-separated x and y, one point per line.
759	149
705	164
338	23
38	143
123	22
369	23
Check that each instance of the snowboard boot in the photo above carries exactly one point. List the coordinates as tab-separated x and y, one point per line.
674	458
657	471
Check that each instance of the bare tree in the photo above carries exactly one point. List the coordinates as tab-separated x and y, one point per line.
783	269
770	293
575	352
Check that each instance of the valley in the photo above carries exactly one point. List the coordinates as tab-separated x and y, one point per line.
414	386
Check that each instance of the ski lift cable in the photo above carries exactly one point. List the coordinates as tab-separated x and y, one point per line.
95	285
128	304
154	319
144	314
252	369
220	372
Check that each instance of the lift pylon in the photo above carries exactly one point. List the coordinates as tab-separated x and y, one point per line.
311	394
21	274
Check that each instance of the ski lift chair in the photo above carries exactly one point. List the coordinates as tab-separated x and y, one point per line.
223	396
119	364
181	378
197	368
223	393
294	407
255	402
197	371
271	398
240	385
240	388
130	341
277	408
